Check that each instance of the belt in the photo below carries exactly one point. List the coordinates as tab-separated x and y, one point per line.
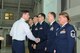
17	40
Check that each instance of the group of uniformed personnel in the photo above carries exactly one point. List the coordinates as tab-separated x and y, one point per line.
55	37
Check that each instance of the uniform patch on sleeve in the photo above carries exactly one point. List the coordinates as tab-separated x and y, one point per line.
73	34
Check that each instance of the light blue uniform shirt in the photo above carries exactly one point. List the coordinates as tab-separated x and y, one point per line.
20	30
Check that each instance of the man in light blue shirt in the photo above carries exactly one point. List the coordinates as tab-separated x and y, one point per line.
19	31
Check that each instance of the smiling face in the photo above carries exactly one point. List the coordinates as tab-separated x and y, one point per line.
62	19
26	16
35	19
50	17
40	18
30	21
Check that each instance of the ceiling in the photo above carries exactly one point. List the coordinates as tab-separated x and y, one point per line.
15	3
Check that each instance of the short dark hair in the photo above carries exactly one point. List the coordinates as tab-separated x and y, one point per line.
66	15
31	18
42	14
24	11
53	13
35	16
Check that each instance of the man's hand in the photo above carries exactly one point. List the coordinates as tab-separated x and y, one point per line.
54	51
37	40
45	48
34	46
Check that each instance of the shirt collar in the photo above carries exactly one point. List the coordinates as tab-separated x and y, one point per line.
31	25
64	24
22	19
41	22
52	22
36	23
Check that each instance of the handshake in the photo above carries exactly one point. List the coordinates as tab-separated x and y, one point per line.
37	40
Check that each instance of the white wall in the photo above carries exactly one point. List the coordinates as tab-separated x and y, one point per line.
49	5
74	11
38	7
74	3
52	6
